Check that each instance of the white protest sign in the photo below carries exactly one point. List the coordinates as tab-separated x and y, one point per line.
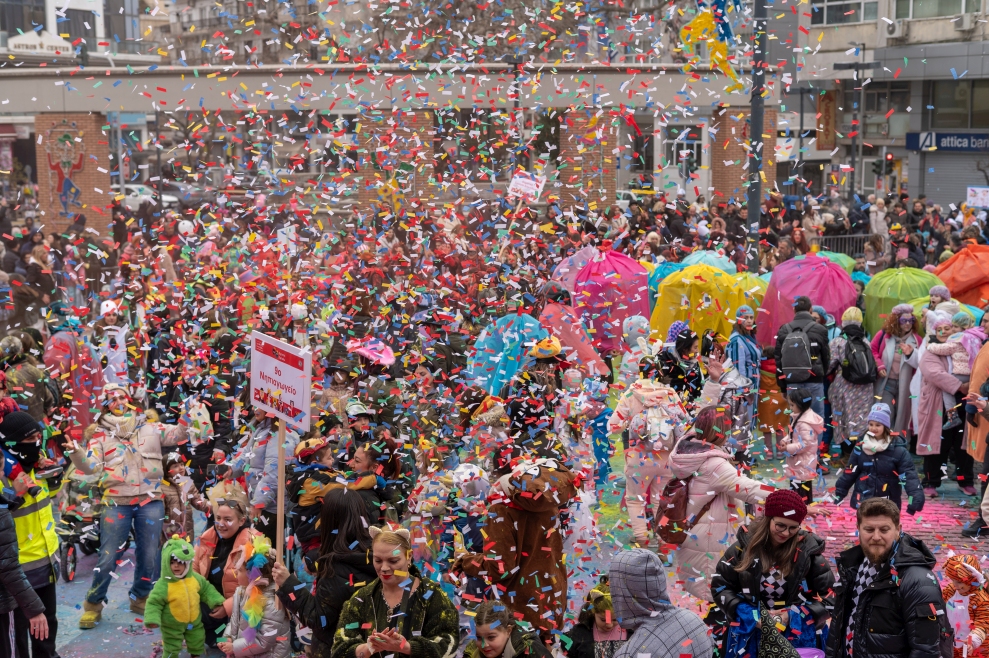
281	377
527	186
977	197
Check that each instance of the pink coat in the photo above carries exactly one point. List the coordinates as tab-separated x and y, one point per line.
930	409
714	477
801	447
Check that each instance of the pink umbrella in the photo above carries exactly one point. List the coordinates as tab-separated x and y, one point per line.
372	349
610	288
826	283
568	269
562	322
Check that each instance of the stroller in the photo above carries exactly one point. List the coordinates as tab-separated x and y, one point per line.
78	526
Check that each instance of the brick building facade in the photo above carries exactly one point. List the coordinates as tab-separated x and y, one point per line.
729	153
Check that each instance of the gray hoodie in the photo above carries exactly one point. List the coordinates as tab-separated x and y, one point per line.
658	628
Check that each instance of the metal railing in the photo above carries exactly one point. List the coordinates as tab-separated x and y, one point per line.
850	245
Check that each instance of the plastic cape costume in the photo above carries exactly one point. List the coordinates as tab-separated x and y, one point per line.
967	274
499	350
704	297
174	601
610	288
753	287
712	258
656	275
826	283
892	287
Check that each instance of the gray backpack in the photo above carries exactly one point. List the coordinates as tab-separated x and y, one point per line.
797	364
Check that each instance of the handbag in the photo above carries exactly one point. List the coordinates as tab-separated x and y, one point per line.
772	644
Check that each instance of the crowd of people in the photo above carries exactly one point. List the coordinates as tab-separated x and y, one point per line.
464	426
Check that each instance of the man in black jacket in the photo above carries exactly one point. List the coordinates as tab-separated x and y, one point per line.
888	602
812	379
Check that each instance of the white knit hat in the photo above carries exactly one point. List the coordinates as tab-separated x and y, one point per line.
109	306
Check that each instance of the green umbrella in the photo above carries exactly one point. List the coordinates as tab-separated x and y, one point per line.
892	287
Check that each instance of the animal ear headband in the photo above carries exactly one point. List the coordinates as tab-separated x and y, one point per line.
374	531
649	349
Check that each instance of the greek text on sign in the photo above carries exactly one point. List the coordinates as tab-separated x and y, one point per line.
281	376
527	186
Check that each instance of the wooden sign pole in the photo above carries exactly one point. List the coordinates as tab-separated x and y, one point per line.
280	516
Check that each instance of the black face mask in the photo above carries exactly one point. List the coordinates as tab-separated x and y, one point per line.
27	454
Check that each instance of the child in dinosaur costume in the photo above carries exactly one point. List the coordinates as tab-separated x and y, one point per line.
174	602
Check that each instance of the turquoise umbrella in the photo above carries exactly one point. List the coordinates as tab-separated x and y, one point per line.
712	258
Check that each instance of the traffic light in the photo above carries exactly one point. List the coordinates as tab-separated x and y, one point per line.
889	164
877	167
691	162
83	56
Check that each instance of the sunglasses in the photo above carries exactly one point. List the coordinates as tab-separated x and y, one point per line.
906	320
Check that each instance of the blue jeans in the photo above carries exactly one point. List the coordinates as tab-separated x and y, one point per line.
115	527
816	395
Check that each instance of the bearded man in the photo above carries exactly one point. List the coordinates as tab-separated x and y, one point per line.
888	602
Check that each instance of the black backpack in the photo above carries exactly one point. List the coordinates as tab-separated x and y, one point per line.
795	357
859	365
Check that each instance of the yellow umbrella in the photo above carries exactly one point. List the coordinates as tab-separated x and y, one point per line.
702	296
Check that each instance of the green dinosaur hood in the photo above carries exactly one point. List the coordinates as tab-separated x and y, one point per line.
179	550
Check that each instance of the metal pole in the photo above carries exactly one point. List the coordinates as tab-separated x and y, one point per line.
862	110
885	177
800	143
120	155
756	119
856	127
158	158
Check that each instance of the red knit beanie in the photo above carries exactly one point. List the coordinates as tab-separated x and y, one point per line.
786	504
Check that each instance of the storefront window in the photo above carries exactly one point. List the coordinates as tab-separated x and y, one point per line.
21	16
950	99
980	104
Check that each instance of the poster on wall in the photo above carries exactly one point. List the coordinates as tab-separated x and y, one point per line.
977	197
827	107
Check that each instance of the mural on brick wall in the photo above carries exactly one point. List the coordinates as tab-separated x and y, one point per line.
66	154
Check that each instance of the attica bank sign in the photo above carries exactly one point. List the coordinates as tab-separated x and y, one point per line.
931	141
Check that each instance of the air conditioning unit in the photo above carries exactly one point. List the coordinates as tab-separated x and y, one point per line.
965	23
896	29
